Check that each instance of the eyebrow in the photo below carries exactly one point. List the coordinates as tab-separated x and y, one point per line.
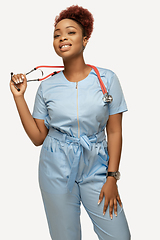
66	27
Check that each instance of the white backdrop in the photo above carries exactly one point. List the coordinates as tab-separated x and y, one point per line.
126	40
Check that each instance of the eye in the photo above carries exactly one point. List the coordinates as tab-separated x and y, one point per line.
71	33
55	36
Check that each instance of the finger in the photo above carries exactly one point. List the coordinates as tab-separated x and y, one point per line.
115	207
19	78
13	85
23	77
14	79
12	82
119	201
111	208
105	206
100	197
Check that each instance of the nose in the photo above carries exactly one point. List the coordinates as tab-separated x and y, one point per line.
63	38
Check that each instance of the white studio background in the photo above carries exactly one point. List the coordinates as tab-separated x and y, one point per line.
126	40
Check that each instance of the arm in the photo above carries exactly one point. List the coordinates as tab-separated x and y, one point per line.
114	135
35	128
109	189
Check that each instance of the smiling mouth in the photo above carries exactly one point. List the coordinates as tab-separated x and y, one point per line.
65	46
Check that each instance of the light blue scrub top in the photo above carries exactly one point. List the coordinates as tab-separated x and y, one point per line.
56	102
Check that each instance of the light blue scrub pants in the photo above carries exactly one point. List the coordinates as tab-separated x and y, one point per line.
73	170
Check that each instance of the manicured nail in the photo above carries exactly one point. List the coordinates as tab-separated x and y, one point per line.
103	213
99	202
111	217
116	214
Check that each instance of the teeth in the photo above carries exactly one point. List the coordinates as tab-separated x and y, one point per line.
65	46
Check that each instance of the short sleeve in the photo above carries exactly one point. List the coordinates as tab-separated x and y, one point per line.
115	90
40	110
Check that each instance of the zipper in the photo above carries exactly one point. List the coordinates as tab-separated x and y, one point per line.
77	111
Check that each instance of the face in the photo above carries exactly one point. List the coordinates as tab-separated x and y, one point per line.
68	39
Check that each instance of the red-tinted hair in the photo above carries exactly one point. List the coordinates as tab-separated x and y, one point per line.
80	15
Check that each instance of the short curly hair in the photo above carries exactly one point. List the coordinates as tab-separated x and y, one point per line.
80	15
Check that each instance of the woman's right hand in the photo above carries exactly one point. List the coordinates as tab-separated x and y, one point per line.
21	82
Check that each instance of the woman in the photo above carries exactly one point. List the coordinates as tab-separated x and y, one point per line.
69	118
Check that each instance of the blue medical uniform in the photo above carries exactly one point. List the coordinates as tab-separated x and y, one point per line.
74	157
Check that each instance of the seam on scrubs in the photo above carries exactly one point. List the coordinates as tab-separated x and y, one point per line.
77	111
118	111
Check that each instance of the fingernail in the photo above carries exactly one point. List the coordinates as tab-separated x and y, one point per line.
103	213
111	217
99	202
116	214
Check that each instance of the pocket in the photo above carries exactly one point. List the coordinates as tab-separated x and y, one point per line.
102	160
52	169
52	161
103	153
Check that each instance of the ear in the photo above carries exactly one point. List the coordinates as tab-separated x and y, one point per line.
85	41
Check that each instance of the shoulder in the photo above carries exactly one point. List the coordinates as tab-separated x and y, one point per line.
105	72
50	82
107	76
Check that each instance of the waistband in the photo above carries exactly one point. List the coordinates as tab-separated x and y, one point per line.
83	142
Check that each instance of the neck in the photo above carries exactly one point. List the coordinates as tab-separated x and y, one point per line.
74	65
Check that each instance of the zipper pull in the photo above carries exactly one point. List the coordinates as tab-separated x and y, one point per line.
76	85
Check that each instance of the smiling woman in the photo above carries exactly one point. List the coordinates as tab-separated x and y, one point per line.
68	40
77	165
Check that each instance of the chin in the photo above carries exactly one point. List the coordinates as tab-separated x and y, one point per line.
68	54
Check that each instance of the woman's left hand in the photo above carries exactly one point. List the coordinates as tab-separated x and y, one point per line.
110	191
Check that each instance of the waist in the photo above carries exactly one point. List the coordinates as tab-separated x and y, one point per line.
64	137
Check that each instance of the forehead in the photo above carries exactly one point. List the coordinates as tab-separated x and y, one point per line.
66	23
